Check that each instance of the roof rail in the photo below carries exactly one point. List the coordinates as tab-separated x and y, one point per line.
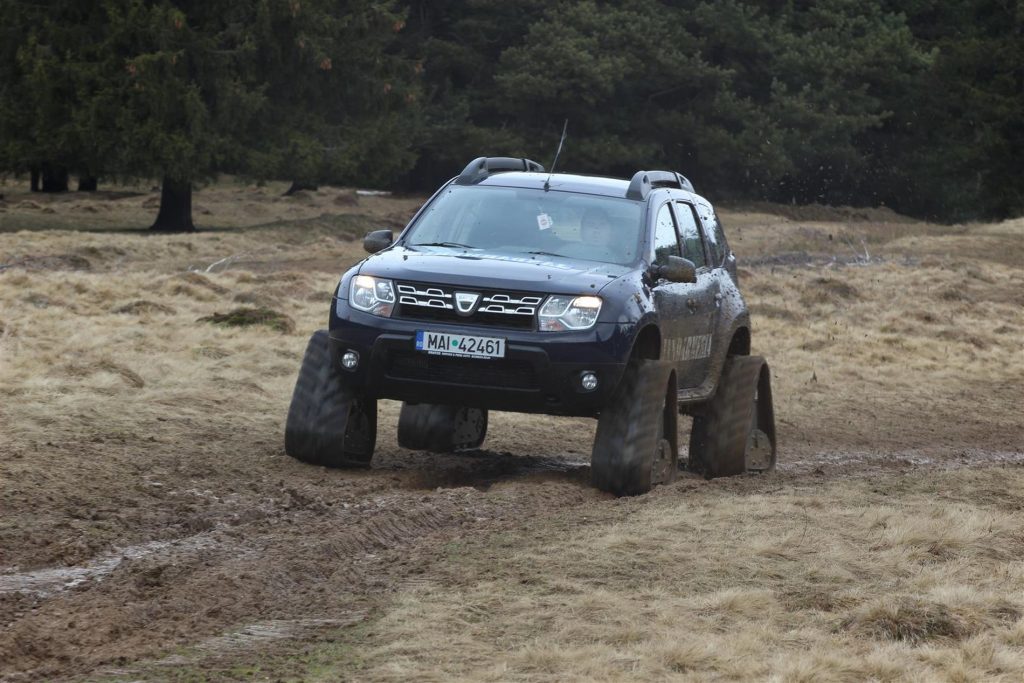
482	167
645	181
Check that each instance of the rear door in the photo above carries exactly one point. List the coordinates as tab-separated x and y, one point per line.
682	307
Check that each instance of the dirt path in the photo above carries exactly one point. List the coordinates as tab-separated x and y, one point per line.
294	553
153	529
310	545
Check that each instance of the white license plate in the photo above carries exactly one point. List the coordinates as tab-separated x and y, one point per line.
445	344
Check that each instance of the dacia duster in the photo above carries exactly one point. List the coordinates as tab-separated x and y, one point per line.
514	289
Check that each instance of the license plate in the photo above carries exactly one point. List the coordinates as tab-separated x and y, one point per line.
445	344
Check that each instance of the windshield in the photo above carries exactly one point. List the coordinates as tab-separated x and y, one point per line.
523	221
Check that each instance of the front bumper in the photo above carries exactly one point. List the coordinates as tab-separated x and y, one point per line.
539	374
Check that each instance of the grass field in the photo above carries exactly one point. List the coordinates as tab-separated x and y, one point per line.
153	529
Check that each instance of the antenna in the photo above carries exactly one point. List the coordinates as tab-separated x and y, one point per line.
547	182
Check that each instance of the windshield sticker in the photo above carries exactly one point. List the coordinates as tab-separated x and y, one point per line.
544	221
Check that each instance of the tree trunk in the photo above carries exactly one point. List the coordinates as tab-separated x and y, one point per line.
299	186
34	182
87	183
55	179
175	207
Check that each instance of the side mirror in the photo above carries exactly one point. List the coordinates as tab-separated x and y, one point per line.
677	269
377	240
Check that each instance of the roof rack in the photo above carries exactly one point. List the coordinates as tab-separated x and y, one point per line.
482	167
645	181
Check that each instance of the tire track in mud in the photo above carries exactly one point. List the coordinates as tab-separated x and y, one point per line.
412	523
51	580
237	643
305	566
321	555
836	464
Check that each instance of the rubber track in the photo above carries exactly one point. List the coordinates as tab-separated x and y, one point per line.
718	440
318	417
627	432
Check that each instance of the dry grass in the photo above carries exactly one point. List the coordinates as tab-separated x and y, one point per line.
851	581
124	419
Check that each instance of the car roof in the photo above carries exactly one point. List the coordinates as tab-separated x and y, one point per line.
563	182
571	182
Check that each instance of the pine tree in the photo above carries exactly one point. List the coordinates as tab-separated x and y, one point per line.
954	148
185	89
341	106
44	76
457	45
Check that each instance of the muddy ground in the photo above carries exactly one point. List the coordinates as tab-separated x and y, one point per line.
153	529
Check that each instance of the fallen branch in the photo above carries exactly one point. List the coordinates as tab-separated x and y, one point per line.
226	261
857	258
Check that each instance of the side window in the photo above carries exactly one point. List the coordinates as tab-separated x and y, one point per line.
693	245
665	241
717	234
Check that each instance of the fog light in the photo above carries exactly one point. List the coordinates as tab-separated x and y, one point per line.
349	360
588	381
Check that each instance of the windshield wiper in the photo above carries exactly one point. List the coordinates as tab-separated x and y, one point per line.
547	253
456	245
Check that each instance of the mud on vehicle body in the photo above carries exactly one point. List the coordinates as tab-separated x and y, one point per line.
513	289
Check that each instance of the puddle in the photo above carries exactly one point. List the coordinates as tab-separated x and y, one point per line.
46	582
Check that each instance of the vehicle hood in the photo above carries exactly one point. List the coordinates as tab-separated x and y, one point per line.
523	272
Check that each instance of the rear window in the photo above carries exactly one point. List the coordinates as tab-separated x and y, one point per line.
716	235
693	245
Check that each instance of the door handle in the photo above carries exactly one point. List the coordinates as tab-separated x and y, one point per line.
691	303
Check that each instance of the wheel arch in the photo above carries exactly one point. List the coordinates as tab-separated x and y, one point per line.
739	344
647	343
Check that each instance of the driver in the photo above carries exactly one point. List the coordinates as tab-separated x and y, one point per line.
600	239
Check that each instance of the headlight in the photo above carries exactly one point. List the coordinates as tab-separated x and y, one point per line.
372	295
560	313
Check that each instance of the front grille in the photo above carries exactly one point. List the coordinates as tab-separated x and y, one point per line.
474	372
493	309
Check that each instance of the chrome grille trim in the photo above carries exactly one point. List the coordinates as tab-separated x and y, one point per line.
506	299
430	297
496	308
503	303
441	297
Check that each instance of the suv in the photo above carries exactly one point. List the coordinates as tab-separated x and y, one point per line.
514	289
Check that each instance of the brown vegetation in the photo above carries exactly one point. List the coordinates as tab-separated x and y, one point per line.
152	528
241	317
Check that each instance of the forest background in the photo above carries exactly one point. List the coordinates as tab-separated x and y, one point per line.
918	106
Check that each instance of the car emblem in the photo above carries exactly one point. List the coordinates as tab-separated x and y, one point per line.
465	302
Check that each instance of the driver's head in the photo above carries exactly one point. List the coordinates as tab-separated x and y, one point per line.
596	227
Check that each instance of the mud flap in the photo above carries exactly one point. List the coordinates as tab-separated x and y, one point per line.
441	429
328	423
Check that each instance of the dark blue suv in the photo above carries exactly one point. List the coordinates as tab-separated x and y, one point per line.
514	289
